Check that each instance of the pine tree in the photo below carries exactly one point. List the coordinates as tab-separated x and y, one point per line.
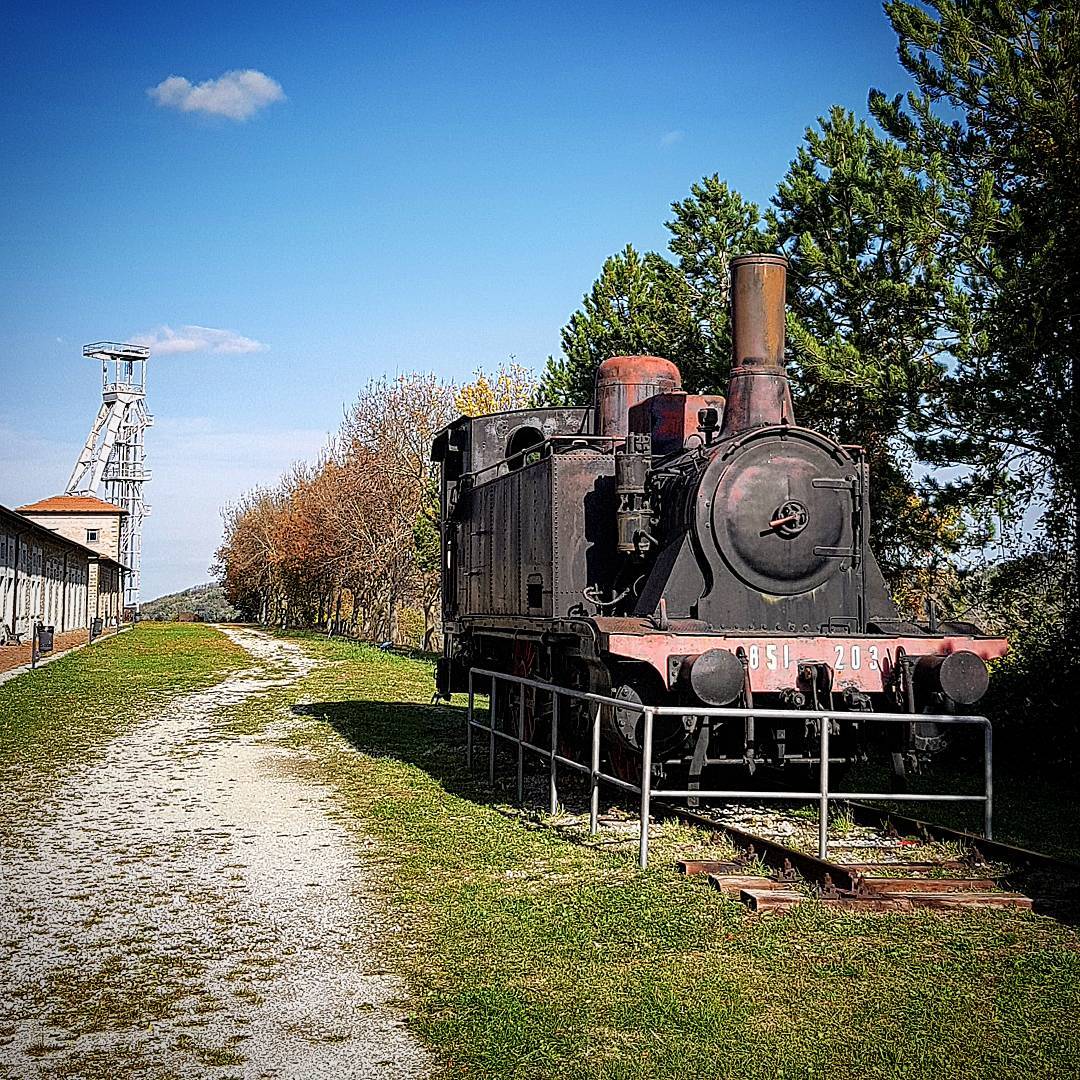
997	122
645	304
709	228
873	312
639	304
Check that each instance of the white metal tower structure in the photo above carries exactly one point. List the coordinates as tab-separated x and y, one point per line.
114	455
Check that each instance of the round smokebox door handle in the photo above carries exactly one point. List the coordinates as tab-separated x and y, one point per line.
790	519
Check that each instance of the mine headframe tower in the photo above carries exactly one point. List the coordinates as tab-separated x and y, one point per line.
112	464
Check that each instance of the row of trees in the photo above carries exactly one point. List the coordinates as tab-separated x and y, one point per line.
350	543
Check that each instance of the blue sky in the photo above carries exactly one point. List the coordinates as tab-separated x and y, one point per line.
434	189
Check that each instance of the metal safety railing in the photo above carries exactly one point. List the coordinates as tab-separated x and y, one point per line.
645	789
550	443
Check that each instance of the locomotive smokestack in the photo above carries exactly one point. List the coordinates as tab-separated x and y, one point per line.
758	393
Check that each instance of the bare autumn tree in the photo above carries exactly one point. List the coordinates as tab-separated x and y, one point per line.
350	542
249	558
384	447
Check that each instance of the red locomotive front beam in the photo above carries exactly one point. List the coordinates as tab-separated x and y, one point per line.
860	662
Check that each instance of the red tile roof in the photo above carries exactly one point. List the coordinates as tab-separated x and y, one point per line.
71	504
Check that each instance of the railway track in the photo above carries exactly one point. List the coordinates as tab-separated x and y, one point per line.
894	863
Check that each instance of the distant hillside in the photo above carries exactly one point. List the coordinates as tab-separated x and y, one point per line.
206	601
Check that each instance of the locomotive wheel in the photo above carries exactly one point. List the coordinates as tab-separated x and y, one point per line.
624	763
639	685
575	716
575	739
530	660
525	665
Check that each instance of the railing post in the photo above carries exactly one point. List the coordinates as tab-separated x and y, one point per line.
823	804
521	745
553	776
988	771
491	729
646	791
469	723
594	783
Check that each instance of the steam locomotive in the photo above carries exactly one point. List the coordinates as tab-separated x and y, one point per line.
682	549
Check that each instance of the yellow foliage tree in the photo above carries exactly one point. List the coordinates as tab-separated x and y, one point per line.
510	387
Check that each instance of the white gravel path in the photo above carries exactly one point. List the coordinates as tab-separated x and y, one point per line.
183	906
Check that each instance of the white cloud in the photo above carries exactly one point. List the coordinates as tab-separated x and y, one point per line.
236	94
164	340
670	138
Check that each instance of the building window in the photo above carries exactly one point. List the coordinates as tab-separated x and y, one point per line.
91	536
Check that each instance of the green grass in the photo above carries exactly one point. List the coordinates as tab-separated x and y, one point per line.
533	952
65	711
1041	813
532	955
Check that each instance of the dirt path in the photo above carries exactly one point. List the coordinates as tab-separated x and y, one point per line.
184	907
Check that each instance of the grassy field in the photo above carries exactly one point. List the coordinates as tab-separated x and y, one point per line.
532	955
533	952
64	711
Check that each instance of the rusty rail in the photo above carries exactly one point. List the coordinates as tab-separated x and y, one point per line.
868	886
988	848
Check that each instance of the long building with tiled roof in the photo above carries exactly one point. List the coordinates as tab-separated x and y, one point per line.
71	504
82	518
59	566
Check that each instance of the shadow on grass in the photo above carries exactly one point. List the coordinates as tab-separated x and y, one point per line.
432	738
390	727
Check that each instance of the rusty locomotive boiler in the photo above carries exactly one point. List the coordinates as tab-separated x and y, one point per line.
680	549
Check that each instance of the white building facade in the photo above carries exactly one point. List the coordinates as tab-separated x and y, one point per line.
49	578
